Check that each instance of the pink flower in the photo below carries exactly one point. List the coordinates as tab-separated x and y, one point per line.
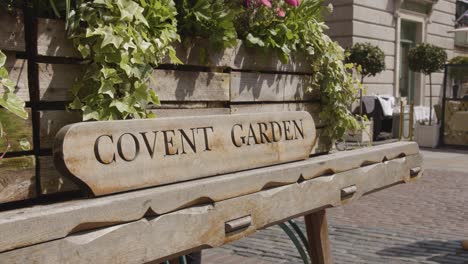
281	12
293	2
266	3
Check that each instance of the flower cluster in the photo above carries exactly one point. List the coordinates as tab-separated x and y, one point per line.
268	3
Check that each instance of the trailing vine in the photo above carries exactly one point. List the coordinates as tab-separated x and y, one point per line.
293	26
124	39
208	19
9	100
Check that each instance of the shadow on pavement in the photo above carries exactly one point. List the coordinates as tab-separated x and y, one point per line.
439	251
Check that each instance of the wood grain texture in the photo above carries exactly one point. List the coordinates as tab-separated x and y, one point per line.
317	235
56	80
198	53
11	31
172	85
51	121
204	226
106	156
52	39
312	108
73	216
17	179
52	181
266	87
18	73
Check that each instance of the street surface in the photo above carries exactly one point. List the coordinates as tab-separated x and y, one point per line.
421	222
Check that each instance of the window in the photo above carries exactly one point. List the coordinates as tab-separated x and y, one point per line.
461	14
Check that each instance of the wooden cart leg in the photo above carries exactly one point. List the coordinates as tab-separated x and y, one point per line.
317	234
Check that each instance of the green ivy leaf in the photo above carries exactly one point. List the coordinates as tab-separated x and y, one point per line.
14	104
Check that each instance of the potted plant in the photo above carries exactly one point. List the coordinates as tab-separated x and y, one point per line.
370	60
427	59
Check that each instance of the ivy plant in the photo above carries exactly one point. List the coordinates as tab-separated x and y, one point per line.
9	100
124	40
209	19
289	27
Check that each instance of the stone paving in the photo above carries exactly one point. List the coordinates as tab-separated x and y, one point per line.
421	222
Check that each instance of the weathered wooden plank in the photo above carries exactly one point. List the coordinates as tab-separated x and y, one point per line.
18	132
17	179
238	57
266	87
51	121
105	156
312	108
317	235
74	216
190	112
55	81
18	73
11	31
51	180
52	39
172	85
204	226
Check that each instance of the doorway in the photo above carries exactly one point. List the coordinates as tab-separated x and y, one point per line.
409	81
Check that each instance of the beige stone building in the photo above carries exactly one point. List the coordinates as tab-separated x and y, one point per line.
396	26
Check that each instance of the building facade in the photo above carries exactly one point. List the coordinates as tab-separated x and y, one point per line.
396	26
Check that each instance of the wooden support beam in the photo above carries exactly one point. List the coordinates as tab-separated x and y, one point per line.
317	234
74	216
180	231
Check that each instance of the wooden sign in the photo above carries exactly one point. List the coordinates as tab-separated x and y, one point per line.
115	156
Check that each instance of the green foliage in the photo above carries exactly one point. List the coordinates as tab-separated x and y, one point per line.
459	73
210	19
301	30
426	58
459	60
125	39
9	99
371	59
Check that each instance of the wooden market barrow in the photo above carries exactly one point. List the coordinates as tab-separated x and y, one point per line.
165	187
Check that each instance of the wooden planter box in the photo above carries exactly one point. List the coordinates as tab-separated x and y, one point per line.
236	80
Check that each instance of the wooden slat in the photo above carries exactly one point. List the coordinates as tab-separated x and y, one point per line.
194	227
52	39
17	179
51	122
238	57
74	216
11	31
17	130
172	85
190	112
265	87
312	108
18	73
56	80
51	180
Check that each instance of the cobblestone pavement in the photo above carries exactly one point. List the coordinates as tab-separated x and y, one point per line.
421	222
